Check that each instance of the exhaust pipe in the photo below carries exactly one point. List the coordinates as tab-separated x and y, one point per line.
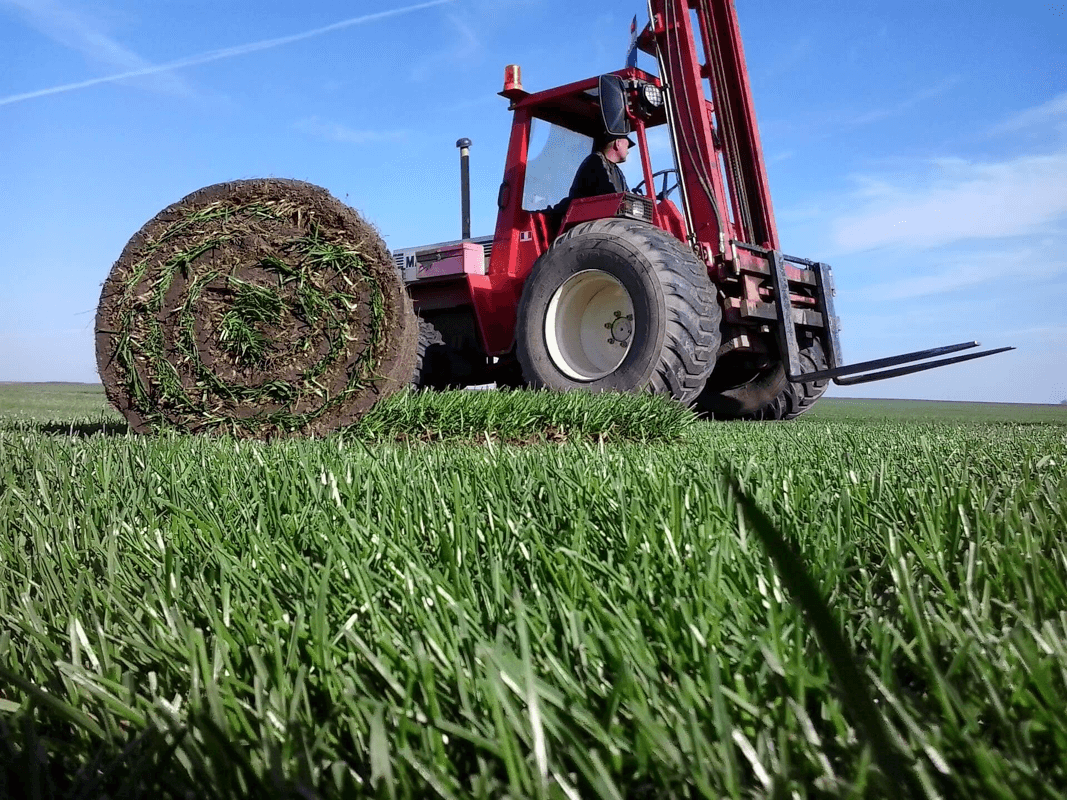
465	184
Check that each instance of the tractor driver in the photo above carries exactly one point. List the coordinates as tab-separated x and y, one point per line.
599	173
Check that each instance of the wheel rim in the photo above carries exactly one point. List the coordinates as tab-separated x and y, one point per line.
589	325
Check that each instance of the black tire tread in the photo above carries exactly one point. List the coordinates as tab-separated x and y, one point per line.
429	337
802	396
692	309
796	398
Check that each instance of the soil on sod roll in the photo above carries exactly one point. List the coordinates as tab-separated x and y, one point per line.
257	308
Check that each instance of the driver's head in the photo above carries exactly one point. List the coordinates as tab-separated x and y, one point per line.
614	148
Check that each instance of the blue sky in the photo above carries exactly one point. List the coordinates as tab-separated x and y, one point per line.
919	147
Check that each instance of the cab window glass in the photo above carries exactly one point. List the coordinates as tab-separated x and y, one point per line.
555	154
551	161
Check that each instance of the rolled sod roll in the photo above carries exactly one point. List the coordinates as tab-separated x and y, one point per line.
256	308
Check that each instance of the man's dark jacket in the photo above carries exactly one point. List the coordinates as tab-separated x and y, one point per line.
595	176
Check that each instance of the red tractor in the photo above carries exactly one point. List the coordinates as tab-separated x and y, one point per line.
681	289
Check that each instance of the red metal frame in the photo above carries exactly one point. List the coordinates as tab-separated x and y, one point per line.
726	215
725	193
720	157
521	236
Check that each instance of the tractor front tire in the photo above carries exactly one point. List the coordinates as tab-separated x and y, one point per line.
768	395
618	305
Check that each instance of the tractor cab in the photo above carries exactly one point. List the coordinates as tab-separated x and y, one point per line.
469	288
554	130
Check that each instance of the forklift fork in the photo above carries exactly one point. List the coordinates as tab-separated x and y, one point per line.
842	375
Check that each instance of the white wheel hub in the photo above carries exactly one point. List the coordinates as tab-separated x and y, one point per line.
589	325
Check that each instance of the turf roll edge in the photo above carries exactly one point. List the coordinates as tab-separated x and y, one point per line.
257	308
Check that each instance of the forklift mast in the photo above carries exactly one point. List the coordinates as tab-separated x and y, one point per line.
726	197
723	181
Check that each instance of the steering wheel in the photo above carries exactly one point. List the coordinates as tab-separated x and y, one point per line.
666	191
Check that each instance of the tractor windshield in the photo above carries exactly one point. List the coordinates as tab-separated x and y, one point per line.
553	157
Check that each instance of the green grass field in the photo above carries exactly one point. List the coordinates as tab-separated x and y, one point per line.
549	597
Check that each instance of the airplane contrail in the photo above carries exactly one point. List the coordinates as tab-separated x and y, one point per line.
218	55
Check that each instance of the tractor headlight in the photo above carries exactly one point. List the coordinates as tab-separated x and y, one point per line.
652	95
635	207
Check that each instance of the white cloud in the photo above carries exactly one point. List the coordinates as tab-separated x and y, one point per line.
1054	112
87	36
950	200
1025	267
336	132
904	105
1056	334
462	45
960	200
214	55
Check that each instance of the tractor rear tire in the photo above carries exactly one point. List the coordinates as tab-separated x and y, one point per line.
430	339
445	359
618	305
769	395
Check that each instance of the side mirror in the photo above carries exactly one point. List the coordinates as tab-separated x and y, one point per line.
613	105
